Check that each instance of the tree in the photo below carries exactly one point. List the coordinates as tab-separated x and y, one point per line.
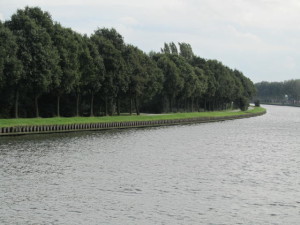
166	49
248	87
78	84
173	48
292	89
243	103
201	86
93	70
10	67
41	18
144	76
36	52
116	81
188	78
3	35
278	92
64	82
186	51
212	86
113	36
173	83
43	61
136	74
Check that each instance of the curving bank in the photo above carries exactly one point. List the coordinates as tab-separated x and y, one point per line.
57	128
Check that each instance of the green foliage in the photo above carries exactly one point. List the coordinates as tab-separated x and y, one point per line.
166	49
44	62
257	103
173	48
242	103
287	92
10	66
186	51
36	52
68	49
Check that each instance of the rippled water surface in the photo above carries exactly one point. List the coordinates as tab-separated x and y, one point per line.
235	172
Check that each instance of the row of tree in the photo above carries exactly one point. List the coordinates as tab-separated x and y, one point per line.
49	70
279	92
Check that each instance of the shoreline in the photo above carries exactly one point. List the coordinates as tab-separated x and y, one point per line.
75	127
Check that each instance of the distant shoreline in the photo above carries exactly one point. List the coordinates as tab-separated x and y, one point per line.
279	104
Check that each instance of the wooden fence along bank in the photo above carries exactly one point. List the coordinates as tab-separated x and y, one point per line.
43	129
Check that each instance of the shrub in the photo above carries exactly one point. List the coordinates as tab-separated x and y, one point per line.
257	103
242	103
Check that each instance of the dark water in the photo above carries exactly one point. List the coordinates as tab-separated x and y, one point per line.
235	172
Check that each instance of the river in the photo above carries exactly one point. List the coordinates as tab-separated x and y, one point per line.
244	171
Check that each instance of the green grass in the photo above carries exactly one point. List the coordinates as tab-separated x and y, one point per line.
144	117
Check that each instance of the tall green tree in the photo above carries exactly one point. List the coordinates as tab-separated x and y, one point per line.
113	36
118	73
145	77
41	18
36	52
173	82
186	51
188	78
42	60
93	70
173	48
64	82
78	87
3	35
10	67
166	49
116	79
292	89
201	87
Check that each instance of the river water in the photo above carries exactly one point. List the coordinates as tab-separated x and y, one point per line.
245	171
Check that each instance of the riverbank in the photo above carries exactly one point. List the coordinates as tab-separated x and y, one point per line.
54	125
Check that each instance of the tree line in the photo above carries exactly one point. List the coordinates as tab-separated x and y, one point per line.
279	92
49	70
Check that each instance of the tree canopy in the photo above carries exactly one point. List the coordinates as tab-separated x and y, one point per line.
287	92
49	70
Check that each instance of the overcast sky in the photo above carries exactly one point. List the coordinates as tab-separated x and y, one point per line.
261	38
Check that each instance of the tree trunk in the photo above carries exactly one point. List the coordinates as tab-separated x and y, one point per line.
136	106
92	105
77	105
58	104
118	106
112	106
106	107
192	104
17	104
130	110
37	114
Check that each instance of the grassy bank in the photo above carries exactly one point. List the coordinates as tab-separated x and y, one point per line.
146	117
